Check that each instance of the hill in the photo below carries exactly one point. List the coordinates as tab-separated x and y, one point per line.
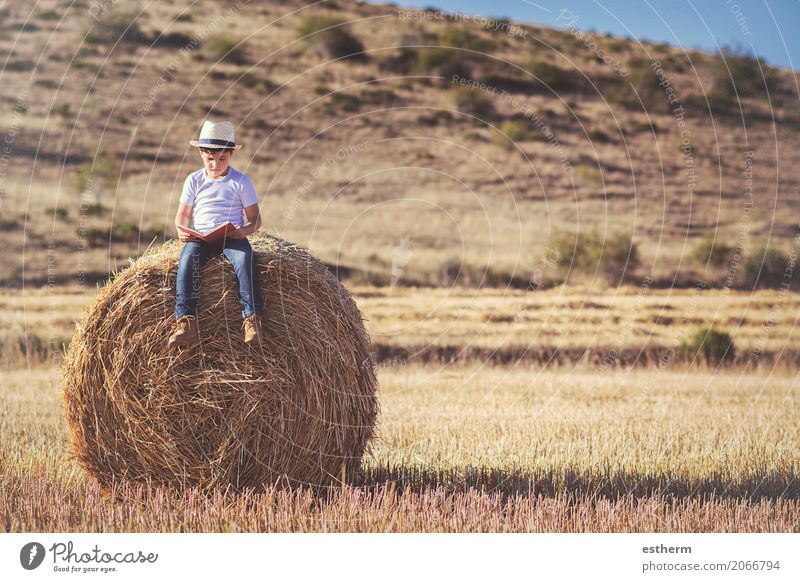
405	146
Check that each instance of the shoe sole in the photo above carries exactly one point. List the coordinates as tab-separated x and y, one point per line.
177	344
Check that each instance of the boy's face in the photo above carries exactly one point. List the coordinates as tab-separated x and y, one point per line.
216	161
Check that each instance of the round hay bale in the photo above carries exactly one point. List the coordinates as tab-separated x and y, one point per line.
299	409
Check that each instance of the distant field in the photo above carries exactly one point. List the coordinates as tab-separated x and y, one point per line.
466	448
491	324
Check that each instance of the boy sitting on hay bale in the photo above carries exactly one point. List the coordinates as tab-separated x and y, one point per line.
212	196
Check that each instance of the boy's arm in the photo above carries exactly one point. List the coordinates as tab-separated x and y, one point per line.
253	222
184	218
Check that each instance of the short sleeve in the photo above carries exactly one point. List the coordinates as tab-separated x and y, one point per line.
187	195
247	192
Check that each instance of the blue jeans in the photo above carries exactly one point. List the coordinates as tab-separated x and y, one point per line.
194	255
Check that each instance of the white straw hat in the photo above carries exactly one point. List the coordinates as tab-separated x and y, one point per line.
216	136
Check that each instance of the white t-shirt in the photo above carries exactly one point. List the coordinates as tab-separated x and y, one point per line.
216	202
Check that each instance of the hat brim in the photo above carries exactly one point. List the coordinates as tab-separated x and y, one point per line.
197	144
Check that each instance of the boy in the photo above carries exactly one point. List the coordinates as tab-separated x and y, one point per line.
211	196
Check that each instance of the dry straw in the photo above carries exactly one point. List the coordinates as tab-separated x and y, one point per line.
300	409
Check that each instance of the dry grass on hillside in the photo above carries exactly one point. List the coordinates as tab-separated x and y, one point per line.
352	156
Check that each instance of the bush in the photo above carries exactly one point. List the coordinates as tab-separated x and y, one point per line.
327	35
401	61
57	213
713	346
589	174
644	79
116	26
256	82
517	129
716	100
127	231
619	257
711	251
21	65
613	256
598	136
436	117
460	37
63	110
735	71
27	27
47	15
442	61
224	47
8	224
766	269
554	77
643	126
378	96
94	210
94	177
88	66
94	237
173	40
472	102
339	102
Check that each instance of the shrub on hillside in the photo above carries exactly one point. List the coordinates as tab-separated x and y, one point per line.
95	176
340	103
47	15
127	231
736	71
612	256
642	83
9	224
461	37
173	40
767	269
328	35
472	102
514	129
598	136
442	62
436	117
552	76
620	255
116	26
711	250
401	61
57	213
227	48
712	346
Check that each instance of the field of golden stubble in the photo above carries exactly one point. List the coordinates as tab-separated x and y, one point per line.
469	323
467	446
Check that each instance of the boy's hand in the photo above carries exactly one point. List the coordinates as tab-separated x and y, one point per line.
240	232
184	237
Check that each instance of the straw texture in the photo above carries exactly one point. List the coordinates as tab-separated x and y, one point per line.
300	409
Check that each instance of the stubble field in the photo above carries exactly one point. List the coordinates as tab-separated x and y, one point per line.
467	445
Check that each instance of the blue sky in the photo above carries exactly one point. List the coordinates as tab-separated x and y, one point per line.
770	28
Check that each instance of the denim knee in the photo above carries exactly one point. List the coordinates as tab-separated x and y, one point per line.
187	288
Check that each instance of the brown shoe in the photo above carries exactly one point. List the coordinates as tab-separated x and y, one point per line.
186	333
252	329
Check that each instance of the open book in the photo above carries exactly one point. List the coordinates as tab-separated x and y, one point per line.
212	237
